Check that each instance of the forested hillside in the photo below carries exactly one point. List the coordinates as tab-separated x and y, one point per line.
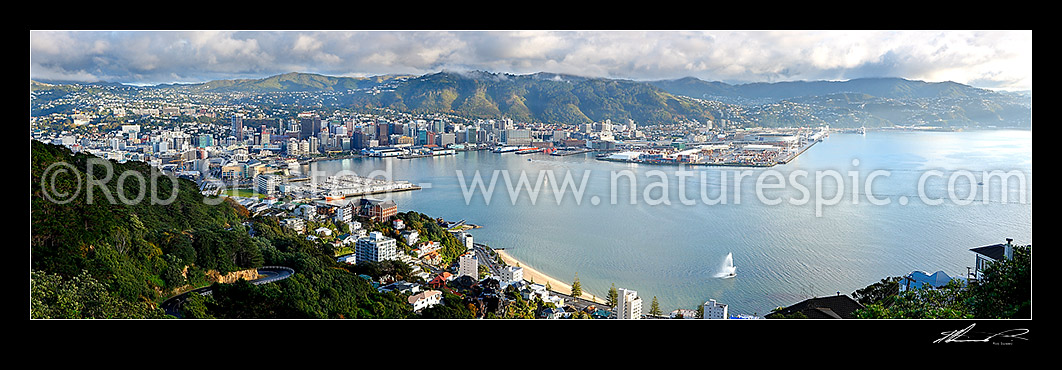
95	255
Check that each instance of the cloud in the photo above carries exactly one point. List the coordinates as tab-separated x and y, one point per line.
987	58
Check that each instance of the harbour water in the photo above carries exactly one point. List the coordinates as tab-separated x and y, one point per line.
829	232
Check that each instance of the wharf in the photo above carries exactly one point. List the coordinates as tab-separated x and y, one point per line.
567	152
702	164
798	153
370	192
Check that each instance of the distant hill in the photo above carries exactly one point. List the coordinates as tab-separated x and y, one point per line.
568	99
871	102
550	98
892	88
288	82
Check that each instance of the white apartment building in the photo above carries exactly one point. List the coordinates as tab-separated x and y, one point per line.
267	184
468	264
629	305
376	247
412	236
510	274
715	310
293	147
467	240
345	213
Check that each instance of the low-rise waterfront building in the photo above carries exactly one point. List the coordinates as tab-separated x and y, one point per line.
715	310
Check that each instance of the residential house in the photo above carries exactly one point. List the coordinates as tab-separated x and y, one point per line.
426	248
349	259
425	299
832	307
553	313
988	254
296	224
918	279
323	231
411	236
439	281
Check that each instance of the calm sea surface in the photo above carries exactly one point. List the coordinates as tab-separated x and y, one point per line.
829	232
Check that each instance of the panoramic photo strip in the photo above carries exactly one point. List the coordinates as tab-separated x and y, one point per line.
862	176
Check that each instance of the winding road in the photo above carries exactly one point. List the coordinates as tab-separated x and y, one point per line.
268	274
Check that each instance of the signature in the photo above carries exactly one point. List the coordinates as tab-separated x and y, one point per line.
959	336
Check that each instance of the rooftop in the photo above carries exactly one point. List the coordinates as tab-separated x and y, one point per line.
831	307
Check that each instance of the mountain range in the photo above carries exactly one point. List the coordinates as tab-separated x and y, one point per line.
559	98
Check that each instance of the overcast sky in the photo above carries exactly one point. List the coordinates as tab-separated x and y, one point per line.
986	59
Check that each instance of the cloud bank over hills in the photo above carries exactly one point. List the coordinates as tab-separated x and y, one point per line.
985	59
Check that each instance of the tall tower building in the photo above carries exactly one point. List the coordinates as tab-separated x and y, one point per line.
629	305
309	127
383	132
237	128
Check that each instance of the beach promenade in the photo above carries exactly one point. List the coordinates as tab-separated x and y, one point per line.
530	274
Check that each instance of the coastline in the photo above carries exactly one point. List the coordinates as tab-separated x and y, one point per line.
530	274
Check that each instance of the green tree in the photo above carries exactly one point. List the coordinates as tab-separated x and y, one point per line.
519	309
947	302
577	288
613	296
654	308
81	297
196	307
1004	288
700	311
451	307
879	291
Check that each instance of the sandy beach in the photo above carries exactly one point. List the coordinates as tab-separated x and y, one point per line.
530	274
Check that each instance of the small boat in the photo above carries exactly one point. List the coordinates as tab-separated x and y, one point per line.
335	195
728	270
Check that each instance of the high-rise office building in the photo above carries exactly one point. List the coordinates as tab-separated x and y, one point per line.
383	132
309	127
237	128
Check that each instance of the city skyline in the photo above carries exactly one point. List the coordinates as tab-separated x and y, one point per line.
1000	60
